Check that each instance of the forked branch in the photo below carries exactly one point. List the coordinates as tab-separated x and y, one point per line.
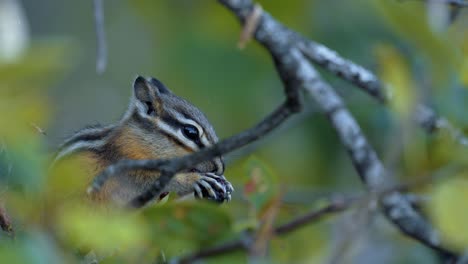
292	54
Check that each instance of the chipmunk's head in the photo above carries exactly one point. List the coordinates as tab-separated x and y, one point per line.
164	125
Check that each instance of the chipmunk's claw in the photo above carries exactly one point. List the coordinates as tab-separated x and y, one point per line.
213	187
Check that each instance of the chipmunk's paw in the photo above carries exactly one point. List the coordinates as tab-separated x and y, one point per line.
213	187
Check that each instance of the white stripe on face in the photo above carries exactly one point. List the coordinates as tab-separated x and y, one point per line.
184	120
218	163
176	133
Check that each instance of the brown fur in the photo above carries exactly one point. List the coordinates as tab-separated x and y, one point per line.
130	143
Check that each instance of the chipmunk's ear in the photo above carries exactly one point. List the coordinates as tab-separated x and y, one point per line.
159	85
148	97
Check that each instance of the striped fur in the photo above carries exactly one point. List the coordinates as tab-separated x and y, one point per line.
151	128
91	138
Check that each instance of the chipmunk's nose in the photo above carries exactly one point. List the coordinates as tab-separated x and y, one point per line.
214	166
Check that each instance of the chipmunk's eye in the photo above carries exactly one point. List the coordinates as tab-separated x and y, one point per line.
190	132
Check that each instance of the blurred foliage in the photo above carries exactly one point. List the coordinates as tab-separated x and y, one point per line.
395	73
410	20
51	89
449	210
189	226
261	186
99	231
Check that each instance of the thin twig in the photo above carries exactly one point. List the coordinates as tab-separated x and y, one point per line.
337	203
276	118
169	167
39	129
250	26
315	215
210	252
266	229
101	57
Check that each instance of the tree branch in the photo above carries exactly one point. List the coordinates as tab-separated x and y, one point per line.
288	50
454	3
337	203
343	68
367	81
280	41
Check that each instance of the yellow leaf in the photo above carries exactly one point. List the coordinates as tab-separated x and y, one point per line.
103	231
394	71
464	64
464	72
69	179
43	63
449	210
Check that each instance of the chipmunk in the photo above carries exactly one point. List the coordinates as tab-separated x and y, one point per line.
157	125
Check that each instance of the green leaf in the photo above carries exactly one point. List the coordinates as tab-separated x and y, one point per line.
187	225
